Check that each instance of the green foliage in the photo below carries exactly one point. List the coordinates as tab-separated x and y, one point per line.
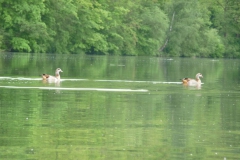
20	44
225	18
22	26
154	25
204	28
212	45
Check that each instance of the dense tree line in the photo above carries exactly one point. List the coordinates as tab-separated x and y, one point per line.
201	28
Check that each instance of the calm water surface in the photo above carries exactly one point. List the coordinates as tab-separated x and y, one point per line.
118	108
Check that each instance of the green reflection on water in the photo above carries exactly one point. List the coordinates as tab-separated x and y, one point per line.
169	121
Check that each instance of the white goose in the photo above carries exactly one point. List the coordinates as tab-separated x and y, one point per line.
193	82
50	78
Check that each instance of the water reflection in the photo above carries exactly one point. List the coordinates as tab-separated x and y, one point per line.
198	86
56	83
118	108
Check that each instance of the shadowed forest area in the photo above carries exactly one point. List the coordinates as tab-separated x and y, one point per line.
196	28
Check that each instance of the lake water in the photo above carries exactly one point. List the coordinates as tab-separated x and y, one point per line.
109	107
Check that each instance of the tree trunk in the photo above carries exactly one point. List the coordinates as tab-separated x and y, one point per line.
170	29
